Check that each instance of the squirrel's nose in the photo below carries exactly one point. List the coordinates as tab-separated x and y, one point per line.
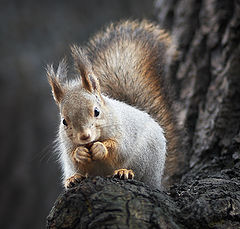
85	136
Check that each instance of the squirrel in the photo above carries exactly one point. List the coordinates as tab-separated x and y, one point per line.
116	115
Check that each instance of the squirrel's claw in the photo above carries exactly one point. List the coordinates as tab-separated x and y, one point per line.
73	180
123	174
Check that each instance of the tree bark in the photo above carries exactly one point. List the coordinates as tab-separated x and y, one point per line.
207	73
112	203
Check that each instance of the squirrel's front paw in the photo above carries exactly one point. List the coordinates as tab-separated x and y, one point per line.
81	155
123	174
73	180
99	151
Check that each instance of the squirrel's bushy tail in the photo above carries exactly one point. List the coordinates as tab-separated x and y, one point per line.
129	59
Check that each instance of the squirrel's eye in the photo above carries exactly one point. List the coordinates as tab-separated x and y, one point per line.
96	112
64	122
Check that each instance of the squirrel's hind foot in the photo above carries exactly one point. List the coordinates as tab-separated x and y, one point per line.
123	174
73	180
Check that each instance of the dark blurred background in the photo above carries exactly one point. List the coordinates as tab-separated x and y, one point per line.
32	34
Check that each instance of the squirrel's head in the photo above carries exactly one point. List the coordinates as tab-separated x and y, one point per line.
80	102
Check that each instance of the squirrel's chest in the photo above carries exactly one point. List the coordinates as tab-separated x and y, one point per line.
98	168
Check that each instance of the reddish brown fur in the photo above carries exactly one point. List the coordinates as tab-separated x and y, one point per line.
111	160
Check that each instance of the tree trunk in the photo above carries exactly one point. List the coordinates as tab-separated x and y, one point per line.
207	73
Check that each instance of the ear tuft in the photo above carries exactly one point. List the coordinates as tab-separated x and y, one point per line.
62	69
83	66
53	79
81	63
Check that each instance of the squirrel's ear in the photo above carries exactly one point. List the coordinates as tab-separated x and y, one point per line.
54	80
90	83
82	65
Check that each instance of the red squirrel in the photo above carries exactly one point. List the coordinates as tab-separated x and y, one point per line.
116	118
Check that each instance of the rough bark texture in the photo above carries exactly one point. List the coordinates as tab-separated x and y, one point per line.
208	94
112	203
